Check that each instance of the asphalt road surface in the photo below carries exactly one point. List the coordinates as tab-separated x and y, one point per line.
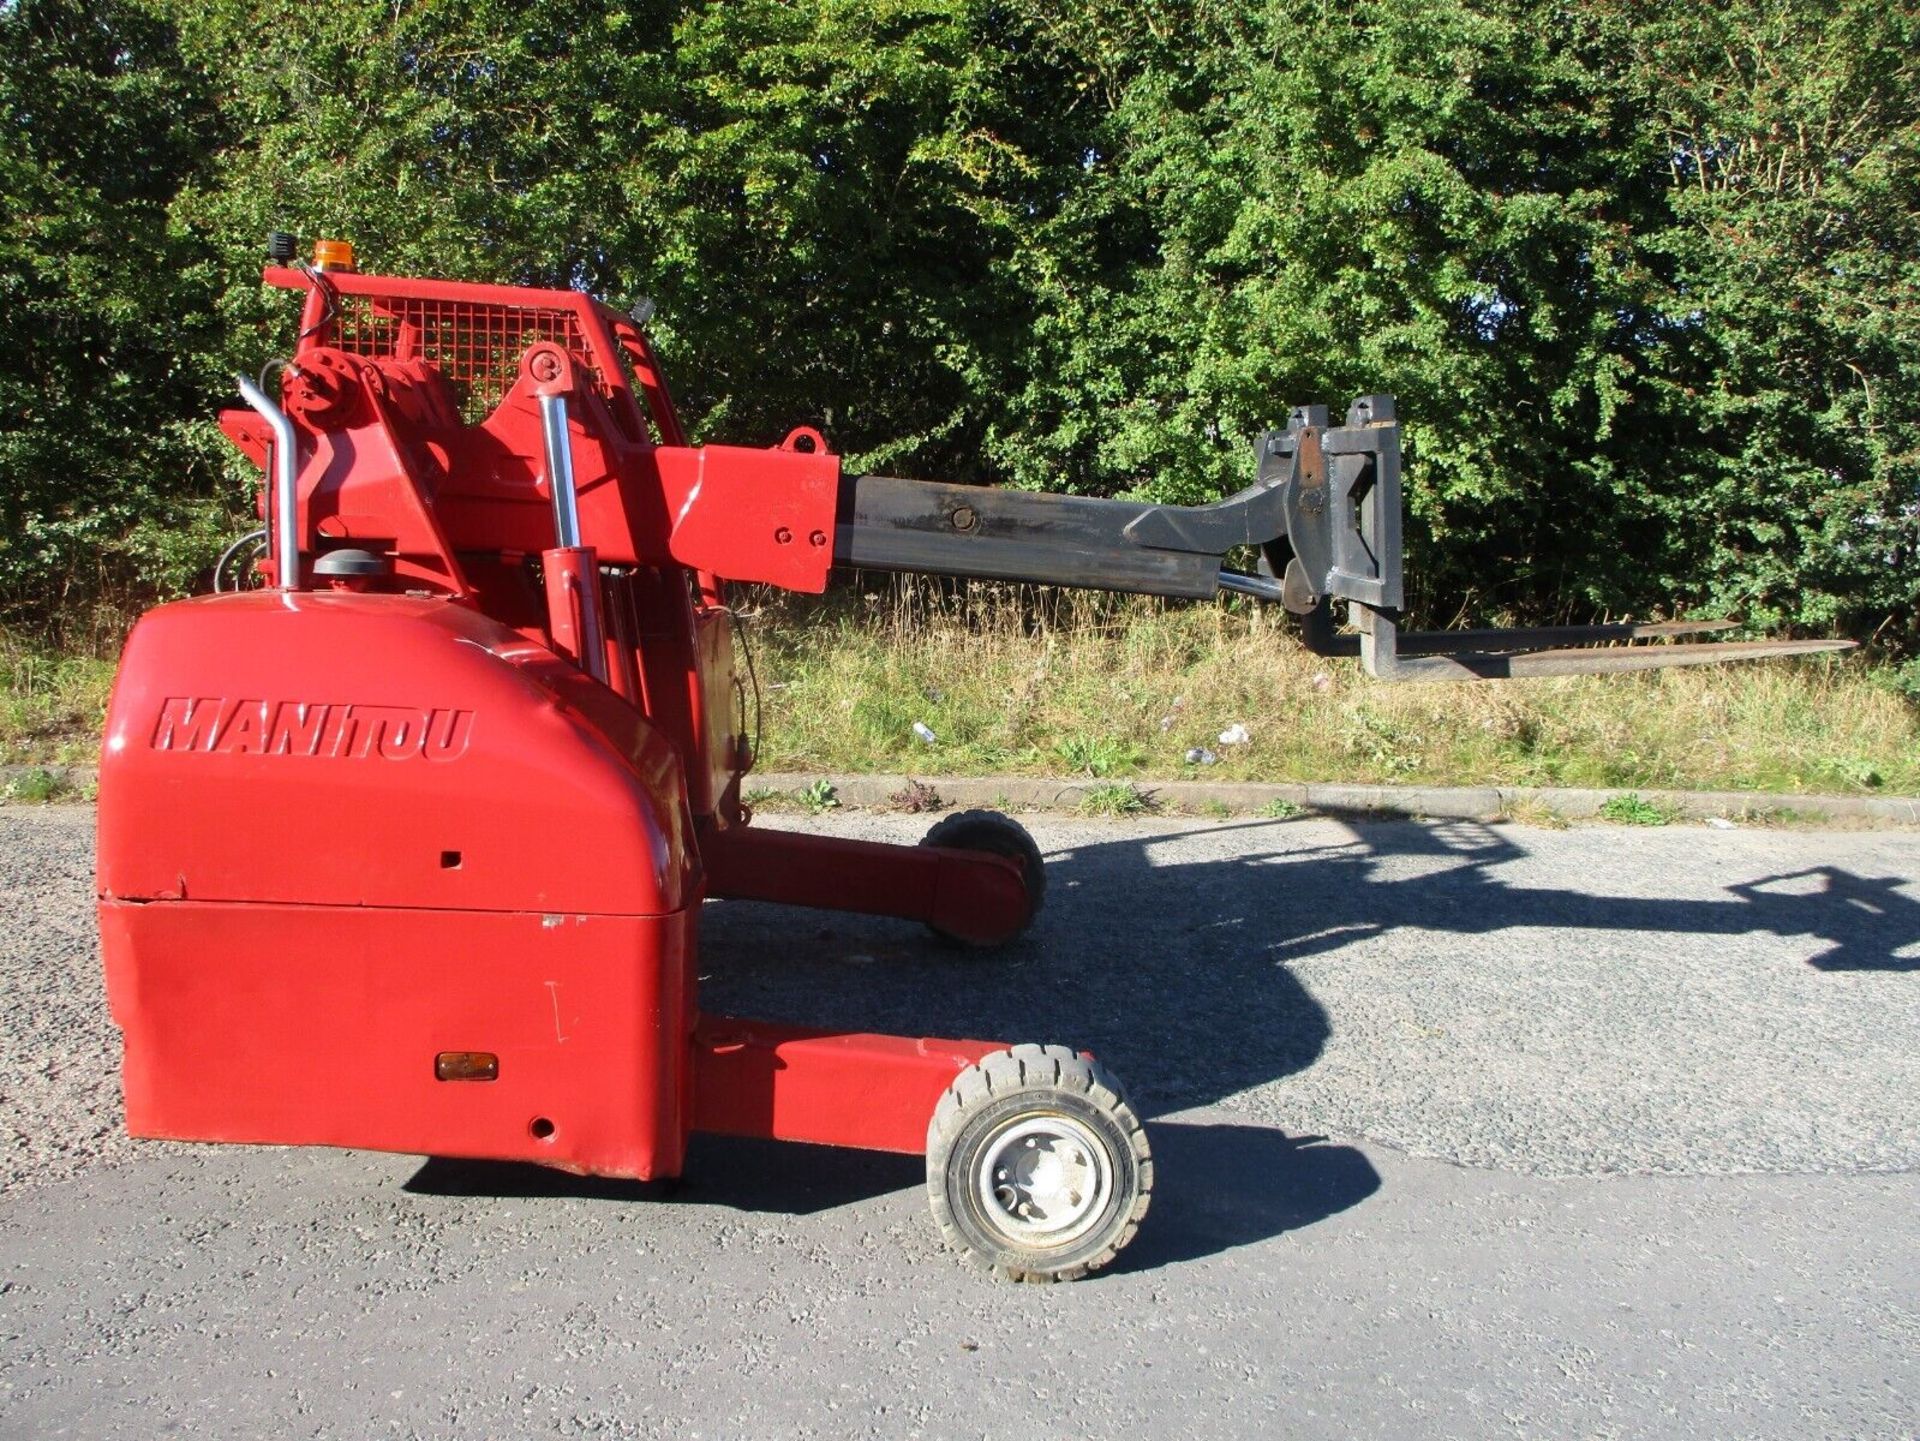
1460	1131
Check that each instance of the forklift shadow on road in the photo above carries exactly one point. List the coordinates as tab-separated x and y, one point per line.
779	1177
1440	875
1173	955
1181	974
1222	1185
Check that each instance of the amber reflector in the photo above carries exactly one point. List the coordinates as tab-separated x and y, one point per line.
466	1066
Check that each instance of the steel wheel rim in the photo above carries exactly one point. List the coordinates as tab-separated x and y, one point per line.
1043	1181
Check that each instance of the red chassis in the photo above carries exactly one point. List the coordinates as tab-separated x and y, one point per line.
406	850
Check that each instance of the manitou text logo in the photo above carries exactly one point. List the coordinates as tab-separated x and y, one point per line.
310	728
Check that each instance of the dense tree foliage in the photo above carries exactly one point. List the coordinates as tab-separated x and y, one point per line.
106	305
1644	276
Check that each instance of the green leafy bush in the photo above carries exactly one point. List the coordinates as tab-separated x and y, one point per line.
1641	277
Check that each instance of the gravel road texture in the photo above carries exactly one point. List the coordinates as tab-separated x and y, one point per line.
1625	1143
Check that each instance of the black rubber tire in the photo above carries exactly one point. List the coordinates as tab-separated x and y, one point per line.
999	835
1007	1089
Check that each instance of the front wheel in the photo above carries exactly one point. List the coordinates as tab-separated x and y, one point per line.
1037	1167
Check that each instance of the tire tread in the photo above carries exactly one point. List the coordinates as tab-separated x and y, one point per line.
1003	1073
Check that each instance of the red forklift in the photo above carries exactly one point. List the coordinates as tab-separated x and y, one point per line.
404	836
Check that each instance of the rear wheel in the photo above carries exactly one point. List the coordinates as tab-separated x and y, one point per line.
1037	1168
998	835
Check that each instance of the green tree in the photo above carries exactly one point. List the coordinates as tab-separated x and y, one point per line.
815	195
1642	276
103	378
1622	386
1793	139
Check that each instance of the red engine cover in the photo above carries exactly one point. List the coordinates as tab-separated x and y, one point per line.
343	834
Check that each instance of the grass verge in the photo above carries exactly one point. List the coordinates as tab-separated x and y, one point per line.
1035	681
51	706
1026	681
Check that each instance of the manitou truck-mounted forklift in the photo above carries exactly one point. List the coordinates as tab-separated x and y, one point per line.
403	843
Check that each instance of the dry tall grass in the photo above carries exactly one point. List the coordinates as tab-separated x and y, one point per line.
1029	680
1034	680
51	706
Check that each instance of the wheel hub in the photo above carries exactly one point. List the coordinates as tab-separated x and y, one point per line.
1043	1180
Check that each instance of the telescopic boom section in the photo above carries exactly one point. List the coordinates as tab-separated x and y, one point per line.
446	429
1324	515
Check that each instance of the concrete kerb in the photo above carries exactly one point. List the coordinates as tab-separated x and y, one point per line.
1481	803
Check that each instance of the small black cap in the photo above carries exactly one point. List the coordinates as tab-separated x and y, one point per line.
351	562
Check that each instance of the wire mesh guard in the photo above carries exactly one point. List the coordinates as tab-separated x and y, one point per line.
476	346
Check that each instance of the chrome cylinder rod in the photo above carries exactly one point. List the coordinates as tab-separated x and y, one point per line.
566	503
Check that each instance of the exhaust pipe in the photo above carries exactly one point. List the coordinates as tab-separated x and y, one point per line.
286	501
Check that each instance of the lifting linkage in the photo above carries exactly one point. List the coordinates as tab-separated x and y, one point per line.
1324	515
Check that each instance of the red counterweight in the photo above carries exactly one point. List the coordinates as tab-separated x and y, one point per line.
404	846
